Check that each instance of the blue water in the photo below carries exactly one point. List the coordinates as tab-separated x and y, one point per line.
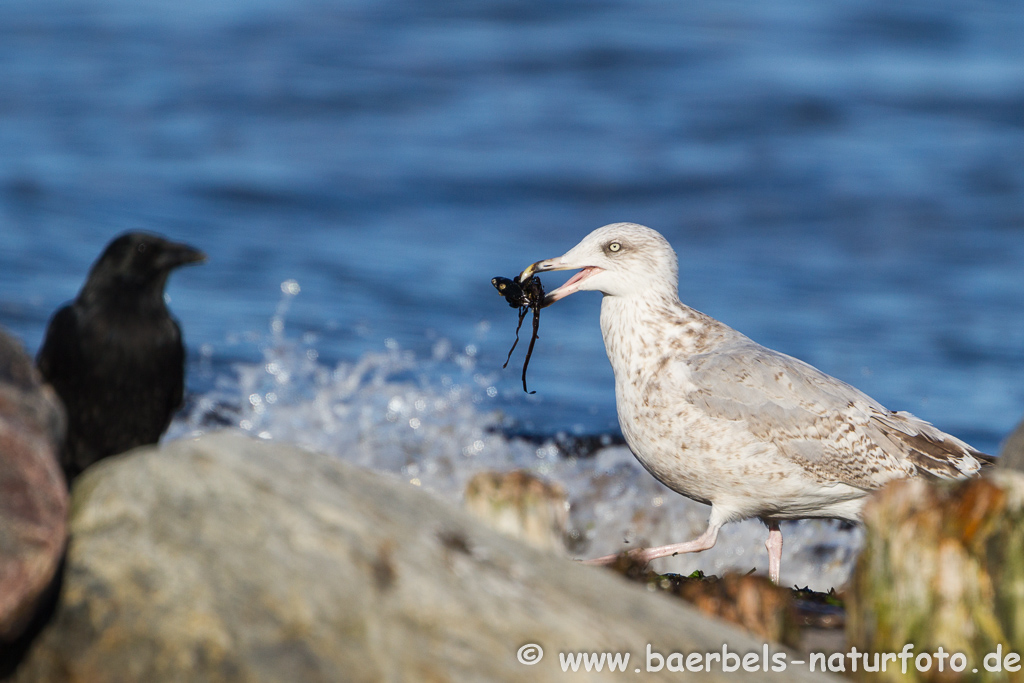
842	182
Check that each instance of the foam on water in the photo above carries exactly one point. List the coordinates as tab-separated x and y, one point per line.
436	421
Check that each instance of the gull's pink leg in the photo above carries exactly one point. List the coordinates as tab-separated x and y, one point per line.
705	541
774	546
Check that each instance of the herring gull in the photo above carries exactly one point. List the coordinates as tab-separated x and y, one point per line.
729	423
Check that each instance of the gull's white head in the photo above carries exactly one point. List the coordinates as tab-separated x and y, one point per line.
621	259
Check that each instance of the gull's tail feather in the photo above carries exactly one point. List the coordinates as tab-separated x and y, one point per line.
932	451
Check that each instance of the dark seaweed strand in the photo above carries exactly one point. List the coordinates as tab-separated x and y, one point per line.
522	314
529	350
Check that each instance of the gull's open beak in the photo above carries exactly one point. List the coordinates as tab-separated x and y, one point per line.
538	267
559	264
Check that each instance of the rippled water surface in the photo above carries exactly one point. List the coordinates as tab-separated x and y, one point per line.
844	183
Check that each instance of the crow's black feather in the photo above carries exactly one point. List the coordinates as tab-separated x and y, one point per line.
115	355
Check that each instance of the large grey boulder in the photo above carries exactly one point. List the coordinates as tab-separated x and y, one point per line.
231	559
33	495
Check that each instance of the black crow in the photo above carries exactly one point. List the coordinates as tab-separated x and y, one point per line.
114	355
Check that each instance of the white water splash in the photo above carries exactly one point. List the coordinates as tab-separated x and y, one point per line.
435	422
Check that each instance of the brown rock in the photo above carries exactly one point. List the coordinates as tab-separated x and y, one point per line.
751	602
33	495
521	505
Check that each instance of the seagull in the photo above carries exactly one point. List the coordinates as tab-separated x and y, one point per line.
730	423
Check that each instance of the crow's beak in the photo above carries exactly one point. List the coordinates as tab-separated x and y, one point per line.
176	254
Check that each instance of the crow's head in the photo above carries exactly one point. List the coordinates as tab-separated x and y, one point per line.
137	264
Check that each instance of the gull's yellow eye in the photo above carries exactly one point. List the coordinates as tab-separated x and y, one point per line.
614	246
